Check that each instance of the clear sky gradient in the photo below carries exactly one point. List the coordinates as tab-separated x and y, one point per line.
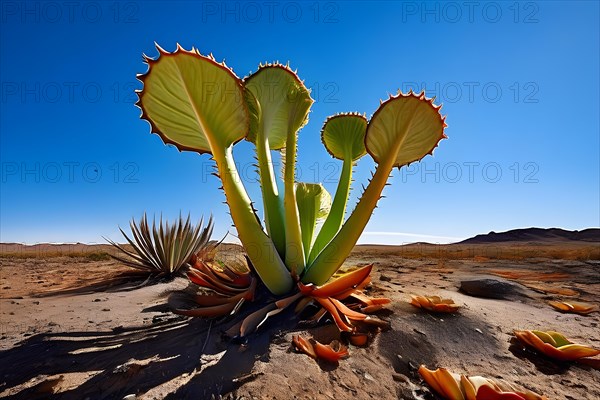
519	83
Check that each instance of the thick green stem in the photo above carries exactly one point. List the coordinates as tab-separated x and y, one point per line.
273	204
294	252
258	245
334	254
335	219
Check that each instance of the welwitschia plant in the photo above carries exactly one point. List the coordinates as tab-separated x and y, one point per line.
200	105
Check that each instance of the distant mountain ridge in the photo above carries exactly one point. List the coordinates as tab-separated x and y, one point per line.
537	235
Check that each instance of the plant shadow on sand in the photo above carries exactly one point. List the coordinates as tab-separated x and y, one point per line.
417	341
122	281
135	360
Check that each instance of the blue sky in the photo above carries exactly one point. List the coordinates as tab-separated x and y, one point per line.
519	83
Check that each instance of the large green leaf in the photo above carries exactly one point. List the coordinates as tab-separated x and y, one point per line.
283	101
344	136
198	104
193	102
314	203
404	128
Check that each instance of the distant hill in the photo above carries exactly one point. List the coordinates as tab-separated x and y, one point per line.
537	235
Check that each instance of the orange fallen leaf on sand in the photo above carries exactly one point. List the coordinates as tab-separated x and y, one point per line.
452	386
530	275
547	288
434	303
555	345
349	287
230	287
328	352
573	307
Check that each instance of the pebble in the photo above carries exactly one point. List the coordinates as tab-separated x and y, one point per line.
400	378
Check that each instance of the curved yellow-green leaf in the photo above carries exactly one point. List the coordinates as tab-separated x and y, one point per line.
193	102
272	201
546	337
468	388
450	383
404	129
575	351
344	136
314	203
283	101
443	382
558	338
200	105
319	198
253	112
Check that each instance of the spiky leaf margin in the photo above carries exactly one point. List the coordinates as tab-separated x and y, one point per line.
395	134
203	117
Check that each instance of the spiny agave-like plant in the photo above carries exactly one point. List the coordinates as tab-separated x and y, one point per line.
200	105
163	248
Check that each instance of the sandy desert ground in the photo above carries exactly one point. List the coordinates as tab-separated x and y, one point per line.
66	333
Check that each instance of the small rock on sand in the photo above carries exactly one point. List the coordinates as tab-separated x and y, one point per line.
490	288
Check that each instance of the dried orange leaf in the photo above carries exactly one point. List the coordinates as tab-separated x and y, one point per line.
452	386
434	303
347	281
251	322
303	345
370	301
329	353
359	339
573	307
443	382
486	392
210	312
341	324
555	345
347	311
468	388
207	300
